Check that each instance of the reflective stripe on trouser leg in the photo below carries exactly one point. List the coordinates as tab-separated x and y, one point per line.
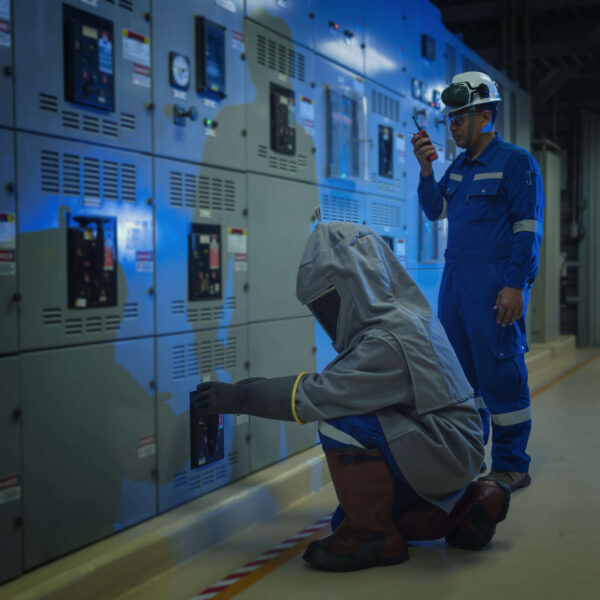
507	397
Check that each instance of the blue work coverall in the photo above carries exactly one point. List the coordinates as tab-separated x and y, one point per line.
495	206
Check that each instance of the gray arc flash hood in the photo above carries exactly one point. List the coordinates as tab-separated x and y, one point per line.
376	291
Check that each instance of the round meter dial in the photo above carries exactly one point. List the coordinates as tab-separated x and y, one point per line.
179	72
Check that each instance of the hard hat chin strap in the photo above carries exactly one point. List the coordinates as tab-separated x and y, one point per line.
471	129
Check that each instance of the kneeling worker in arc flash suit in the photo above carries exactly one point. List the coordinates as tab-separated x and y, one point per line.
397	418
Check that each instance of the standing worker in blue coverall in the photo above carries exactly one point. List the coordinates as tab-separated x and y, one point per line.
493	197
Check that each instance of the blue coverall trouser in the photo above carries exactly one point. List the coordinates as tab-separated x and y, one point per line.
491	356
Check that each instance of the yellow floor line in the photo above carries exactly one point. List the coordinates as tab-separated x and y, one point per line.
252	578
563	375
288	554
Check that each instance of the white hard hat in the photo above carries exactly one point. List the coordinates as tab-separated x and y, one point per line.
470	89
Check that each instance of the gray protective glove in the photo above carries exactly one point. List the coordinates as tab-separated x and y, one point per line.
269	398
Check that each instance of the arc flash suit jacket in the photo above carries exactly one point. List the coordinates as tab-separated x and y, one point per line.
494	206
394	361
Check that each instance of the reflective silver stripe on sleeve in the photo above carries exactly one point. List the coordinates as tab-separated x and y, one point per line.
456	177
444	212
339	436
492	175
528	225
512	418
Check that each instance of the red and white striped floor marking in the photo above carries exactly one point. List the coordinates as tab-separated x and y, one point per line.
263	559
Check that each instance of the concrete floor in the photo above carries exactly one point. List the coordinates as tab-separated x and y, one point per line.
549	546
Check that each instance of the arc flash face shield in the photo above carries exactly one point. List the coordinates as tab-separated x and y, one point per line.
461	94
326	309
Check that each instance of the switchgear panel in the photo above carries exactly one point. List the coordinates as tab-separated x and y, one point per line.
210	58
89	59
386	151
342	134
283	120
92	257
201	452
204	262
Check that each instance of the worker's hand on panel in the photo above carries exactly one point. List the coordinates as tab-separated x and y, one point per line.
509	305
212	396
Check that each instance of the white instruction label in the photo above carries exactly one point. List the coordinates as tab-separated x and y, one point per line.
237	41
5	25
240	262
10	489
136	48
146	446
401	250
141	75
144	261
307	108
139	235
237	241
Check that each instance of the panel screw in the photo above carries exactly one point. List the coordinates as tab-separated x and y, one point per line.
248	437
149	201
314	150
244	133
154	473
149	106
246	287
150	291
313	84
243	56
152	384
314	349
247	364
7	71
17	414
363	45
17	296
245	212
18	523
147	17
10	187
311	15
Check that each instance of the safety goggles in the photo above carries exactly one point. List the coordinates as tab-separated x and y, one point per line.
457	119
461	94
326	309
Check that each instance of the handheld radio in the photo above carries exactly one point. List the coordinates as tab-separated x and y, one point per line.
423	134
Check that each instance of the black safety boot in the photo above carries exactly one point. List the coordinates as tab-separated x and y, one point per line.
471	524
367	537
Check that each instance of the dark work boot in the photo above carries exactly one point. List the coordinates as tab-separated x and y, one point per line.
471	524
367	537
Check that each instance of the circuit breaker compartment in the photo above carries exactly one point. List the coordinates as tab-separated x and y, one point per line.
204	262
88	59
91	261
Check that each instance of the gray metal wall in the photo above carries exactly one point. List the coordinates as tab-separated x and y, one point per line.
94	410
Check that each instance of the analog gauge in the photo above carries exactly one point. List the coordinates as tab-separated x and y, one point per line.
179	74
